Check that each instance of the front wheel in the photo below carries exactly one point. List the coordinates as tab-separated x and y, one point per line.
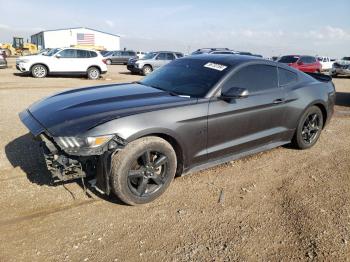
39	71
309	128
146	70
93	73
143	170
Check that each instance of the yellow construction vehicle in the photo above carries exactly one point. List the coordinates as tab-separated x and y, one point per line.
90	47
18	47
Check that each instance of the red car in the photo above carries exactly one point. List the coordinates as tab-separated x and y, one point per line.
302	62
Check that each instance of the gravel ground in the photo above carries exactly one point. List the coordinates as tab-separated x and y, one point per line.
283	204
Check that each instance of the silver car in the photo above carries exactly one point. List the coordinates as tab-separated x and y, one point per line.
151	62
341	67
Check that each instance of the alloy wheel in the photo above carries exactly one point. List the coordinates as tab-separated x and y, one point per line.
311	128
148	173
39	71
94	73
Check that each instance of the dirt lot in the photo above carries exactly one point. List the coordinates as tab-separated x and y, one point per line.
284	204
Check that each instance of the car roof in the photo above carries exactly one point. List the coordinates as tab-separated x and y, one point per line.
226	59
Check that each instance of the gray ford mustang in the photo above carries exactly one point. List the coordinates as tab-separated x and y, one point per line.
191	114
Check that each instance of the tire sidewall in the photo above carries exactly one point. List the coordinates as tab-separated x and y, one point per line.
121	164
299	140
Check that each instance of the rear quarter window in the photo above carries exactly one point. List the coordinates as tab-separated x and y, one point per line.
286	77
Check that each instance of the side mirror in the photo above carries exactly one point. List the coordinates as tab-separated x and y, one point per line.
234	92
58	56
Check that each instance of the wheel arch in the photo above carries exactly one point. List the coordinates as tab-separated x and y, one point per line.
148	65
173	140
321	105
323	109
98	67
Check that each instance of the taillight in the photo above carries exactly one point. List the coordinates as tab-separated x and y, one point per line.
104	61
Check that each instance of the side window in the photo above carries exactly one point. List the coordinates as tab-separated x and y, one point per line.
313	60
83	54
170	56
68	53
161	56
132	53
118	53
179	55
92	54
286	77
304	59
254	78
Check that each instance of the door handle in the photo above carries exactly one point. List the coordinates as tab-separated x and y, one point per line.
279	101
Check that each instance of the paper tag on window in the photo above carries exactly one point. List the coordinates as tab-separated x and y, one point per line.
215	66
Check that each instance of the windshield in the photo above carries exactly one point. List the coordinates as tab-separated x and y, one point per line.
107	54
347	58
189	77
288	59
149	56
53	51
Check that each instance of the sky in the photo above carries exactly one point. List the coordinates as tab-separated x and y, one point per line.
267	27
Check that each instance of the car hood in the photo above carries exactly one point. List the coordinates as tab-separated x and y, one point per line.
76	111
343	62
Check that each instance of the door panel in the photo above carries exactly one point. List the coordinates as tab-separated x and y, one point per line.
66	62
245	123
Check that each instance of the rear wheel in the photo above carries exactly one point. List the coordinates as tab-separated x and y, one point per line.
93	73
143	170
309	128
39	71
146	70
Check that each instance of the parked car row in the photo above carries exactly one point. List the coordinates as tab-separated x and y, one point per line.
93	63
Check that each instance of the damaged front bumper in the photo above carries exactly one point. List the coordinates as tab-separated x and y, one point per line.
65	164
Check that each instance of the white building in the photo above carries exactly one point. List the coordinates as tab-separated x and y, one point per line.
75	36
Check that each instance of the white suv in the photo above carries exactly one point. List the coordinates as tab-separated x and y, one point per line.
67	61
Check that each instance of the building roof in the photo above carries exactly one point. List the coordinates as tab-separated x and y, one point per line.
76	28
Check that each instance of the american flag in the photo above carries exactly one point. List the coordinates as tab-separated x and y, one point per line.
85	39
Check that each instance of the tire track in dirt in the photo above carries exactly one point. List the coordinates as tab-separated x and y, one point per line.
46	212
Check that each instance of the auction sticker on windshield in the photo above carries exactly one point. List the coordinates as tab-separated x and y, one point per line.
215	66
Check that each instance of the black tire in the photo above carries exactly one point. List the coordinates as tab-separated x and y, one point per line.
93	73
146	70
309	128
39	71
108	61
136	182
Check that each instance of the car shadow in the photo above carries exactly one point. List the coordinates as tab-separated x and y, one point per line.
54	76
342	99
24	152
